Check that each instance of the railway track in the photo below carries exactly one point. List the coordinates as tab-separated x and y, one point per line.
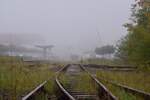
31	95
65	93
144	95
111	68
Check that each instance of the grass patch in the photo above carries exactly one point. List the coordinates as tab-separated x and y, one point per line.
135	79
120	93
85	83
81	82
18	78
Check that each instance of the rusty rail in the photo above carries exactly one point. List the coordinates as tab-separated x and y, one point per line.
64	94
30	95
103	92
145	95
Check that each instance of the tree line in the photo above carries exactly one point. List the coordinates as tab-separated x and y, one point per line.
134	48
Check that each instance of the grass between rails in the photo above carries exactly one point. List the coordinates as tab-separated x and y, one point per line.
135	79
85	83
17	78
81	82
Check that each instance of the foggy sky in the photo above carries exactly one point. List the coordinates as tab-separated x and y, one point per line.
75	24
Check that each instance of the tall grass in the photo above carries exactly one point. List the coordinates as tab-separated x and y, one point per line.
135	79
17	78
121	94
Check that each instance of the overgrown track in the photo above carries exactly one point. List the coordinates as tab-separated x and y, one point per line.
143	94
64	94
103	92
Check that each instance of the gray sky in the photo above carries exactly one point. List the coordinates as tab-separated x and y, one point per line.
75	24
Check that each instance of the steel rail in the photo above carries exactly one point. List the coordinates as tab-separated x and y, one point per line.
66	94
31	94
126	88
144	94
108	67
104	93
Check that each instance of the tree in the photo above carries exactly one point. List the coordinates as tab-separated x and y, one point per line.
104	50
135	47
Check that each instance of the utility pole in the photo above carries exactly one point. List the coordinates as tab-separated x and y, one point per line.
99	38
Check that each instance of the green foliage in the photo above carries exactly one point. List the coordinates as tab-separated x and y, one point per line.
108	49
135	47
